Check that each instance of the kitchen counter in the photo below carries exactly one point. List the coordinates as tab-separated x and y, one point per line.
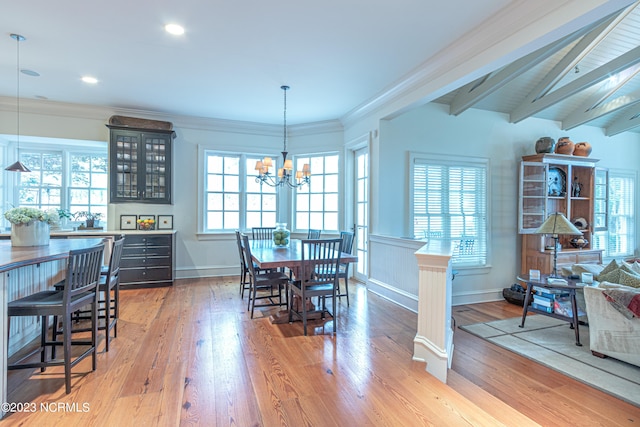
81	233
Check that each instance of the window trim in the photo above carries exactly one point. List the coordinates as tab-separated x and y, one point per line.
223	234
66	149
323	154
455	161
625	174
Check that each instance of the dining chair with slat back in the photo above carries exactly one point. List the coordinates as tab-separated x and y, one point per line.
313	234
264	285
320	259
262	233
245	284
81	289
343	268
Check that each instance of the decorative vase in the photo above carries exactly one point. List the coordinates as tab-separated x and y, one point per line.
34	233
545	145
281	235
565	146
582	149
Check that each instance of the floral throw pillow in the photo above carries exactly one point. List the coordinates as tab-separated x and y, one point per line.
629	279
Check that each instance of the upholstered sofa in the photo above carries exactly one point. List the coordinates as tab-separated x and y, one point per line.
611	331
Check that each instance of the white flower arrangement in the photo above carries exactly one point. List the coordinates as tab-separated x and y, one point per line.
26	215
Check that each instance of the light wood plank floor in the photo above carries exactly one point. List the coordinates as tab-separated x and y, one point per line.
190	355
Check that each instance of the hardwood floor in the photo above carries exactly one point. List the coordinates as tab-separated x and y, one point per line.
190	355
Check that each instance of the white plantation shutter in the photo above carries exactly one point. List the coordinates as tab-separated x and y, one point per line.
449	200
619	238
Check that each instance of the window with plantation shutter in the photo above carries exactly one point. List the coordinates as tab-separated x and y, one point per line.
618	240
449	206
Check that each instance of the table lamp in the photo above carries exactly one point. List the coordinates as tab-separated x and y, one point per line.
555	225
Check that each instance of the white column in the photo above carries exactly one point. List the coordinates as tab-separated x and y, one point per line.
433	343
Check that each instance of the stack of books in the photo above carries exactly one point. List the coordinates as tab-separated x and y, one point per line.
545	299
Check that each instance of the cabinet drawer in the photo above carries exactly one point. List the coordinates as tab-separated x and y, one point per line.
133	262
129	275
589	258
136	239
145	251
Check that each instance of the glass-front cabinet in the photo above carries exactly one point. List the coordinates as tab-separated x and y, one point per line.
140	165
551	183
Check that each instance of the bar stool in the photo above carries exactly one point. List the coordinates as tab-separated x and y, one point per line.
109	305
81	289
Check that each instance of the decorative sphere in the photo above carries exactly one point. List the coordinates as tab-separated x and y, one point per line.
545	145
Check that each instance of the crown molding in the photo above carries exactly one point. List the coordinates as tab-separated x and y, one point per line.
93	112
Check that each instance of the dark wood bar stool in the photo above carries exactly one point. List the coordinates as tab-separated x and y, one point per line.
80	290
108	297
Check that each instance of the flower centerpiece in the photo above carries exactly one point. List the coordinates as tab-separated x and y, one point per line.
146	224
30	226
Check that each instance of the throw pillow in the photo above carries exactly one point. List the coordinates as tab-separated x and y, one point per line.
611	276
629	279
636	267
613	265
594	269
626	267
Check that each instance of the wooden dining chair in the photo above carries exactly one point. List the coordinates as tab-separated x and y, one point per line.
245	283
318	278
262	233
264	285
343	268
313	234
81	289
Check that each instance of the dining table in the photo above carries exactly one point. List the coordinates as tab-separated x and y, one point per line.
267	255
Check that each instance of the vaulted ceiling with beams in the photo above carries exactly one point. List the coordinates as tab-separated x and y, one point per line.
590	77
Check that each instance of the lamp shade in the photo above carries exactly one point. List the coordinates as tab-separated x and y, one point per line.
556	224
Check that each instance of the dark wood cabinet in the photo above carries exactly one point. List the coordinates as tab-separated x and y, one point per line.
147	260
140	165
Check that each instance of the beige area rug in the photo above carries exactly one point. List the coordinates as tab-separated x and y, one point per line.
551	342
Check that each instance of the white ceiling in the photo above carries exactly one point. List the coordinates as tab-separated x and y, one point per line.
336	55
589	77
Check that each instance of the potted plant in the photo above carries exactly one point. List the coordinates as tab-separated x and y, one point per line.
30	226
91	219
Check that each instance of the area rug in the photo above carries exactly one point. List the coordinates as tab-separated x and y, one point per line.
551	342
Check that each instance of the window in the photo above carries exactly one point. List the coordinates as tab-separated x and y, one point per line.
234	200
316	204
63	179
619	238
449	206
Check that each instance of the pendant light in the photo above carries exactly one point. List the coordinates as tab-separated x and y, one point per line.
18	166
285	175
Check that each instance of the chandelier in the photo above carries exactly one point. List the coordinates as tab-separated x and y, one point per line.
18	166
285	175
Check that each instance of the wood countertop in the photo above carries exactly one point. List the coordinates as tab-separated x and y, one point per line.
89	233
12	257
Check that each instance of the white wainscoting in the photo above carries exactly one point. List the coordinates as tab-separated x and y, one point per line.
27	281
393	269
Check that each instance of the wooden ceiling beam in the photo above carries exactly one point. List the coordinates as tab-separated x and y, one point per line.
534	102
474	92
627	121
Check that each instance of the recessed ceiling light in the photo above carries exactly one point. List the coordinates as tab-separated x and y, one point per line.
90	80
175	29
